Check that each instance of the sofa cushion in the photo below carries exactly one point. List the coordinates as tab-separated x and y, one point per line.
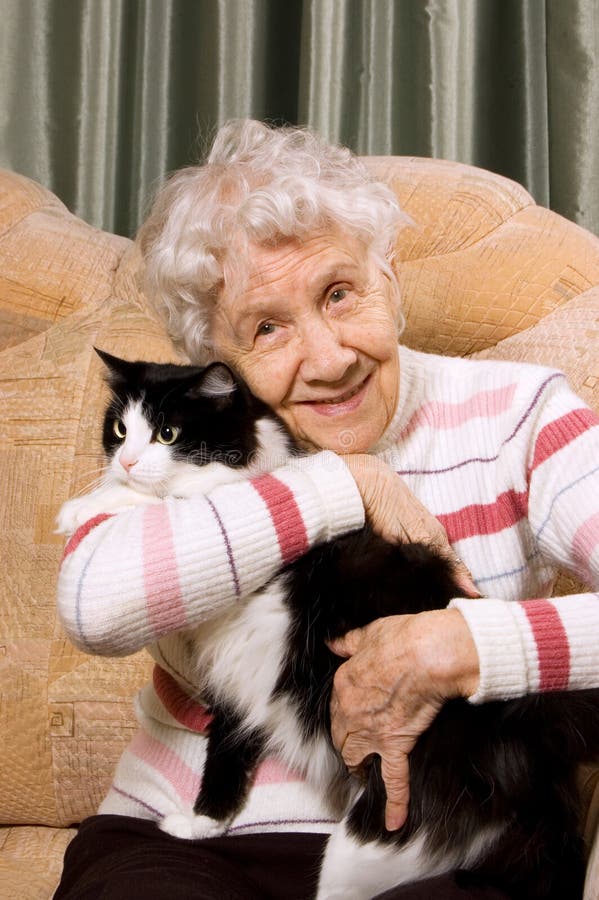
31	860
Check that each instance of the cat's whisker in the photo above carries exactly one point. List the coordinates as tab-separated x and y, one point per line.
90	485
93	470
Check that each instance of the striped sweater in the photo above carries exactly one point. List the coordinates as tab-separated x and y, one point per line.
507	458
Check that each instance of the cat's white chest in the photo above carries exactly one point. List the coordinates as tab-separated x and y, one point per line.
239	659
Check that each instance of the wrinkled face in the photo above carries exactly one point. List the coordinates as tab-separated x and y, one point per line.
314	333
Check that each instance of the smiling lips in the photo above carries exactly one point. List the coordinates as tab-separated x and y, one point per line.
344	403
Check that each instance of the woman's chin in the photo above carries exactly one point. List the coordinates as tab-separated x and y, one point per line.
348	439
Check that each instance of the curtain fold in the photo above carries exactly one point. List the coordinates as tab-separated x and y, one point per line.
100	98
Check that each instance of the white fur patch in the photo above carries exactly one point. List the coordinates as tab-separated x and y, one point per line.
273	446
189	480
191	827
217	382
355	871
239	659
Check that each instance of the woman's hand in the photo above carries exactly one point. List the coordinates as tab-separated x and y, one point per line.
400	671
395	513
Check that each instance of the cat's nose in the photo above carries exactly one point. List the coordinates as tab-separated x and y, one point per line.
127	462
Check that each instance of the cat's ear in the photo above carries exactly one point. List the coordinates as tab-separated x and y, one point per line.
216	383
118	369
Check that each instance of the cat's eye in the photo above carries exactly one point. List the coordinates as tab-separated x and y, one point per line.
119	429
168	434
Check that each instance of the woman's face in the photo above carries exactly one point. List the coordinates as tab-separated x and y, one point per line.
314	333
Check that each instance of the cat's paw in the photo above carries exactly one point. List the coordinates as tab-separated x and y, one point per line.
191	827
106	500
75	513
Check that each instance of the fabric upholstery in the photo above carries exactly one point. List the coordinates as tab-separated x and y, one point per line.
483	271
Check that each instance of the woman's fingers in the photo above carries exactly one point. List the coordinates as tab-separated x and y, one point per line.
395	770
463	578
395	513
397	673
348	644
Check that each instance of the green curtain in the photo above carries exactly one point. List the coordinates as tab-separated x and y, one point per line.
99	98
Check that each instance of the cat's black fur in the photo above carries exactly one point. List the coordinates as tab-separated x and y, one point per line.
476	766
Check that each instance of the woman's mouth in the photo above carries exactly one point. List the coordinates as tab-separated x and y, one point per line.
341	404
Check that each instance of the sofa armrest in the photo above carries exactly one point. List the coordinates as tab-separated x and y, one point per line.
51	262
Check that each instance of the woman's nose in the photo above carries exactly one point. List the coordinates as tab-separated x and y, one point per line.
324	357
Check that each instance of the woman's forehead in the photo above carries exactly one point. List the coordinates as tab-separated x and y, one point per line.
301	263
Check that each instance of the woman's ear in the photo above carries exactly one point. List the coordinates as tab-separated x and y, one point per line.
395	299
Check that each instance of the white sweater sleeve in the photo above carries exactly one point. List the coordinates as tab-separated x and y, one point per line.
128	579
542	644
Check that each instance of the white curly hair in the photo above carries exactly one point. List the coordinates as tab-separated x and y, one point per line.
258	185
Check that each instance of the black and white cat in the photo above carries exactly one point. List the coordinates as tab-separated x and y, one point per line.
492	787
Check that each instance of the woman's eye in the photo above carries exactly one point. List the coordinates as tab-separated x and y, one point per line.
168	434
265	329
119	429
338	294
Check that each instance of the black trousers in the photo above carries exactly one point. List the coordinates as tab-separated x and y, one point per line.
120	858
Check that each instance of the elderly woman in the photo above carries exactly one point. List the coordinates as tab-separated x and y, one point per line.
275	256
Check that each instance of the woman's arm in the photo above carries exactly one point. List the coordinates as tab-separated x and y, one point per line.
485	649
128	579
545	643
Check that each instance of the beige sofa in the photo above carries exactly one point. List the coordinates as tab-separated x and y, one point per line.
484	271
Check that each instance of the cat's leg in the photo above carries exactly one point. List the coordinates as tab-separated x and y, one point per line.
230	762
106	499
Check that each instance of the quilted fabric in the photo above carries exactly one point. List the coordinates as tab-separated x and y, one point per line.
31	861
482	270
52	262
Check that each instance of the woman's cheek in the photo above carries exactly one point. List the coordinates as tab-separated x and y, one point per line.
267	376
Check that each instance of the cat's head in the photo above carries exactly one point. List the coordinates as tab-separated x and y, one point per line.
163	417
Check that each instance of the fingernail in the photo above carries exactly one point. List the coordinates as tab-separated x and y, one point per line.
394	822
469	588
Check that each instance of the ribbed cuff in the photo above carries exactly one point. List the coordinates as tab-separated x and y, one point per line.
338	492
498	636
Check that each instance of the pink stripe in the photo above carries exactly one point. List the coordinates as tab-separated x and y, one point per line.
197	718
183	779
485	405
180	705
83	531
272	771
553	648
485	518
562	432
585	541
286	516
166	611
